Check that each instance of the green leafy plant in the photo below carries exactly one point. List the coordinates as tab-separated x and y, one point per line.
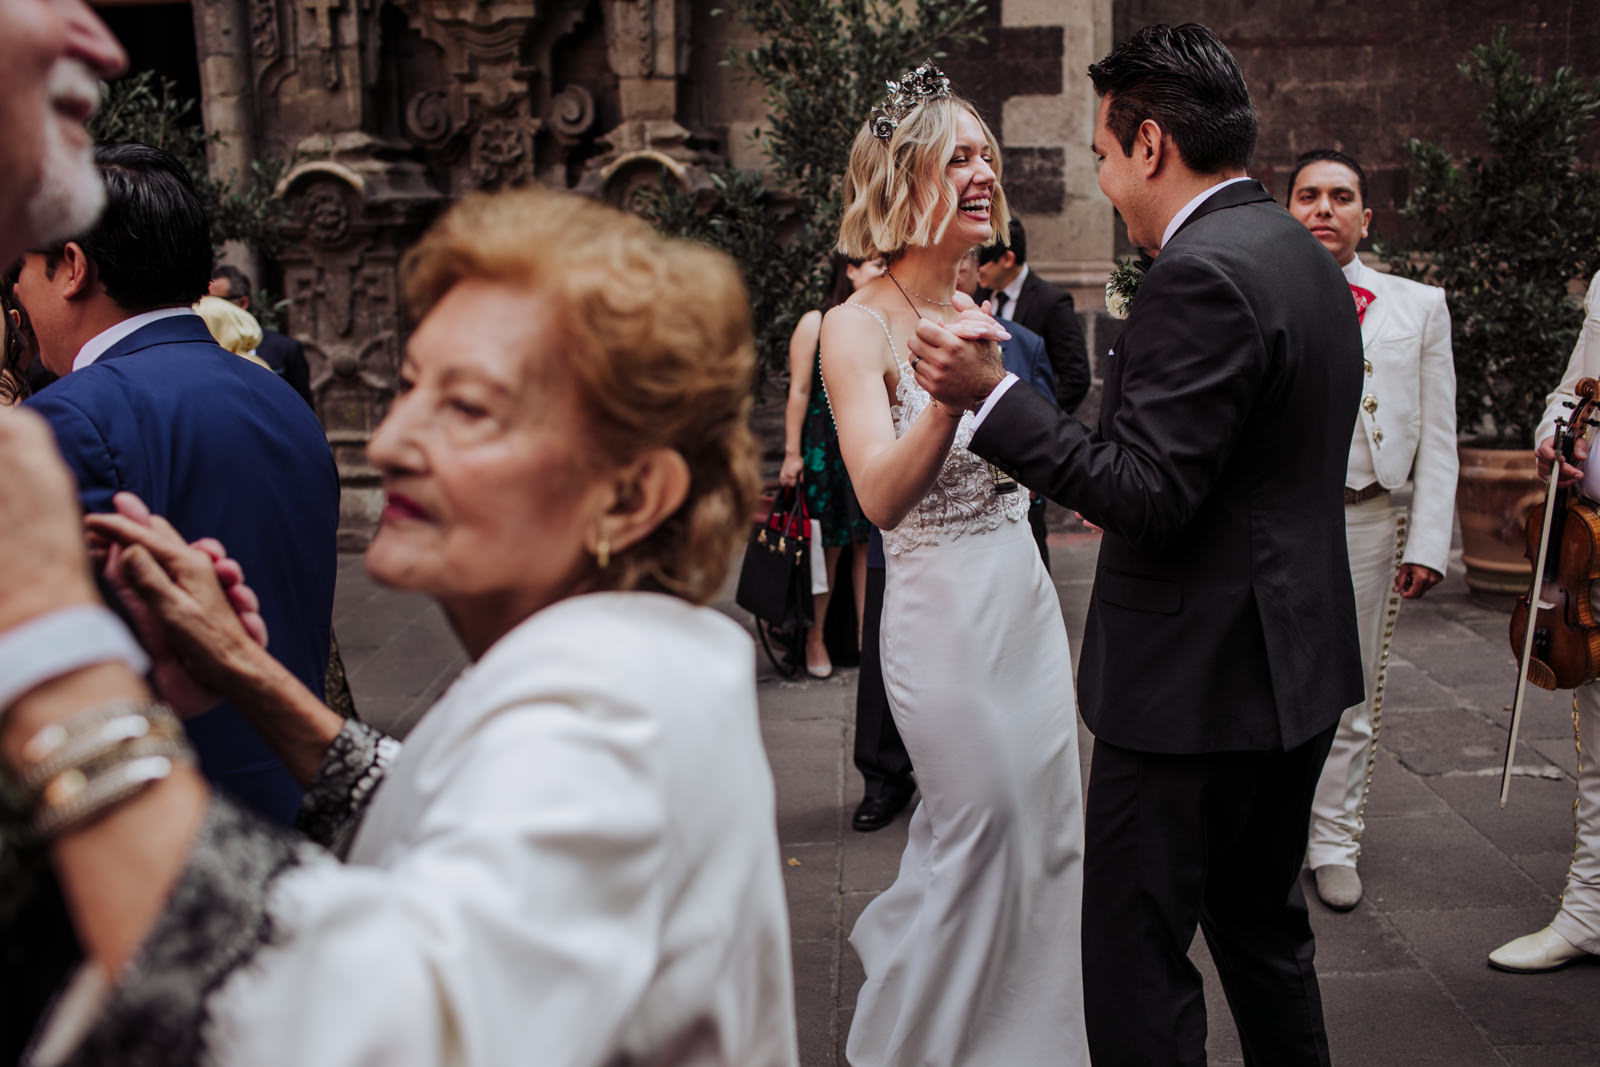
821	65
146	107
1507	234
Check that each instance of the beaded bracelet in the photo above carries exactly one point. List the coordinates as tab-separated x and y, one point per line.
90	736
74	797
75	770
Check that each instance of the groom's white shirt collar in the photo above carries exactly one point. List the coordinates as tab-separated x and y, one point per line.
101	343
1189	209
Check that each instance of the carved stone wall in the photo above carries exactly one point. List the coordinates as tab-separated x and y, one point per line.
388	110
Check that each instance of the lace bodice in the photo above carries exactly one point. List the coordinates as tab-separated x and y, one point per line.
963	498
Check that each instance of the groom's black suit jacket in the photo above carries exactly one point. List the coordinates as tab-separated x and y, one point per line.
1222	617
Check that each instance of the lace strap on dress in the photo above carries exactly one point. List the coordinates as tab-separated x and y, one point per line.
214	922
351	772
882	322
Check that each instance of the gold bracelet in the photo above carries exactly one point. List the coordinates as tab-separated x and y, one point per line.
953	414
74	797
90	736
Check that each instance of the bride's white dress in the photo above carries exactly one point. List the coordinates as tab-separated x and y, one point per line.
972	955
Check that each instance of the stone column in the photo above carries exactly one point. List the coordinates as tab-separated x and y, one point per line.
227	99
1073	249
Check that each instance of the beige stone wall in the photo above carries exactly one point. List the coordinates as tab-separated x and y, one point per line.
1073	248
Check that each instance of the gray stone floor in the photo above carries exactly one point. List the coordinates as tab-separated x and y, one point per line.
1448	874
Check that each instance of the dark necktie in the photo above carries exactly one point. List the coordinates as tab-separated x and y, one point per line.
1000	299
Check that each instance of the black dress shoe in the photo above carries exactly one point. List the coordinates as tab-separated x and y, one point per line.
876	812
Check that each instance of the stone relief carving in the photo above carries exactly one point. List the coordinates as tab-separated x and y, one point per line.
325	213
490	113
631	37
264	29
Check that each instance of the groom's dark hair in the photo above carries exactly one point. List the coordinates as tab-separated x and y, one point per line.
1186	80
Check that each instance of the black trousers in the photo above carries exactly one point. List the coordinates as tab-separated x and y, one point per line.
1215	841
880	755
1041	534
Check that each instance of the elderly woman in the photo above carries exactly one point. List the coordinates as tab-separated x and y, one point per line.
572	859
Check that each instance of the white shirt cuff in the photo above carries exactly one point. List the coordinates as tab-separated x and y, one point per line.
61	642
994	394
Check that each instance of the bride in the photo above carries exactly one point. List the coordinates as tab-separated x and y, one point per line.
972	955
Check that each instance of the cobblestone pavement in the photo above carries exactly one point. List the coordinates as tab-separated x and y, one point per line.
1448	875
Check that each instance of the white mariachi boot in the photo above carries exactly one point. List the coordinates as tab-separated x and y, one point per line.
1535	953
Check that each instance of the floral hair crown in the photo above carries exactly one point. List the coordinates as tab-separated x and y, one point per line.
914	86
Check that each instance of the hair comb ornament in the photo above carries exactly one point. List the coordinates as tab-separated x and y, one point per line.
914	86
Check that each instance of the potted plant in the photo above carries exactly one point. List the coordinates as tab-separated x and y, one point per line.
1509	235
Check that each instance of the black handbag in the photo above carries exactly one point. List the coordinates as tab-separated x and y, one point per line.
775	580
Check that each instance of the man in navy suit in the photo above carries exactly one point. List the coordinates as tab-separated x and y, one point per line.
285	355
1018	295
148	402
1028	357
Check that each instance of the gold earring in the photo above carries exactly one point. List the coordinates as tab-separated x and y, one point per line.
602	553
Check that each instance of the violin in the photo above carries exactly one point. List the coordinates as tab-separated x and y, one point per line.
1553	628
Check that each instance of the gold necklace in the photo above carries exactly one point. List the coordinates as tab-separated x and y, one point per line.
912	292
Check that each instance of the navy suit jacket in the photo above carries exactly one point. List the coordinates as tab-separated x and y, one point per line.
287	358
1025	356
223	448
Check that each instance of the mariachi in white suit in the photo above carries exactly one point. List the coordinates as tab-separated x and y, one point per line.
1406	431
1576	928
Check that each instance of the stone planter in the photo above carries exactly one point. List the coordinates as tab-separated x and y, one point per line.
1497	488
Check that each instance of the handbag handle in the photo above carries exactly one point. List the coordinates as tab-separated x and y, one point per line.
789	515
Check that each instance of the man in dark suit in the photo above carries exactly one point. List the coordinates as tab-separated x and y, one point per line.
148	402
285	355
1220	647
1026	299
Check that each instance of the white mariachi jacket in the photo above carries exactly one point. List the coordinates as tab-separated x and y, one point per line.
1585	363
1408	405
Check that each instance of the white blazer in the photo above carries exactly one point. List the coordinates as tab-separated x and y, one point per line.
1585	363
1408	405
573	861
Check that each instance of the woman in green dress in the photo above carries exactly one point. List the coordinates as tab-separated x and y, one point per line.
811	456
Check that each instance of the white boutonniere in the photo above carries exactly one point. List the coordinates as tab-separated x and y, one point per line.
1120	287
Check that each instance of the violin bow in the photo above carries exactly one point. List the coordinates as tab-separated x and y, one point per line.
1534	592
1567	432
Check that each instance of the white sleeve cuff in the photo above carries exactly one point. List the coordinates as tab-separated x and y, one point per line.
994	395
61	642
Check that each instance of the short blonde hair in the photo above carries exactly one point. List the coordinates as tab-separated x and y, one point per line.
655	336
883	214
234	328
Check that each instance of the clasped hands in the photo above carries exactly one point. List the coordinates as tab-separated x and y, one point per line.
189	603
959	363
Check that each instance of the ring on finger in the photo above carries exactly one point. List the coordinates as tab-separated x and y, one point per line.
914	361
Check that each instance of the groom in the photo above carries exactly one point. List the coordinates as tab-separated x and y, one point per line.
1220	646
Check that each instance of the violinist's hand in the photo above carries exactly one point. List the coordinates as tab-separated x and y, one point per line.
1545	454
1413	580
959	364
